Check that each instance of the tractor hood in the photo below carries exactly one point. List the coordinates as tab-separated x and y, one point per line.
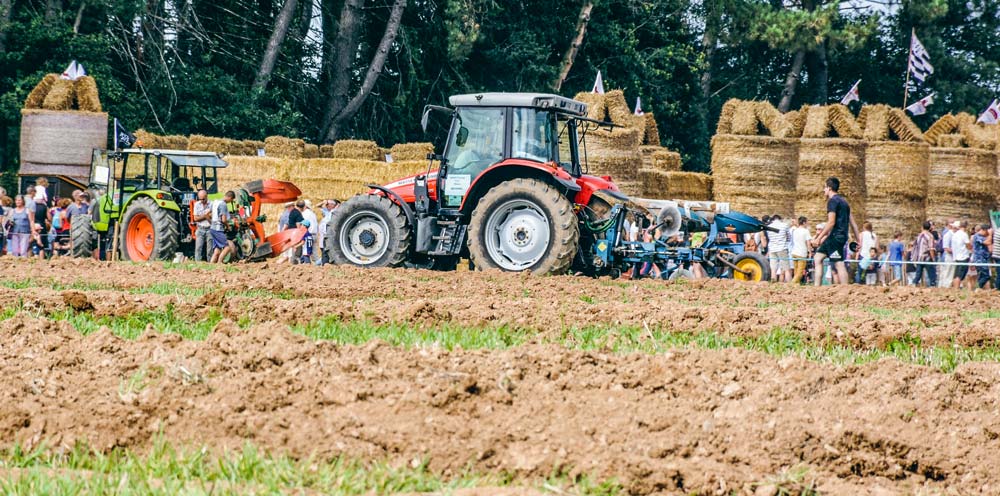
404	187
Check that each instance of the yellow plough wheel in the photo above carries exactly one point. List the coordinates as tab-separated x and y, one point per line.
754	267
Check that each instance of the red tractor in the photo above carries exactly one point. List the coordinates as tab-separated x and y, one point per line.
503	197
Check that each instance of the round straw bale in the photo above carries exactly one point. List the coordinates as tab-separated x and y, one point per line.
725	125
945	125
87	97
36	99
823	158
961	184
756	174
62	96
61	138
896	185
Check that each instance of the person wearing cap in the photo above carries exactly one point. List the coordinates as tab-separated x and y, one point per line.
961	253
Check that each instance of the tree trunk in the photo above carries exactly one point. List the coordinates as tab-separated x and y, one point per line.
570	56
5	10
708	49
792	81
819	74
274	45
341	57
52	9
79	18
371	76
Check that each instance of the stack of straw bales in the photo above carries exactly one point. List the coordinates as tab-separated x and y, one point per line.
896	160
61	123
226	146
358	150
755	163
614	152
656	157
676	185
962	177
147	139
282	147
822	155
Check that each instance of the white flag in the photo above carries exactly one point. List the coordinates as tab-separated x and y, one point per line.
853	95
992	113
920	106
599	84
638	106
73	72
920	60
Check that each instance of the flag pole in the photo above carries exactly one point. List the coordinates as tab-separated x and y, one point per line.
114	131
909	64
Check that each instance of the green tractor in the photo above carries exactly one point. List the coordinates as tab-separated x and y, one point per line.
145	196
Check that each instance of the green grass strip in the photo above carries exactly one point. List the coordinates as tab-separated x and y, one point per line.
166	470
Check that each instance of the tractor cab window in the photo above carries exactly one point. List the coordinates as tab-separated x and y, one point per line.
534	135
476	140
137	171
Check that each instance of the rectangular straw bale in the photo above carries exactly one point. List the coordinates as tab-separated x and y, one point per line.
36	99
771	119
357	149
325	151
618	110
652	131
597	109
817	122
876	126
725	125
945	125
795	122
252	146
87	97
282	147
62	96
675	185
842	121
311	151
146	139
745	119
978	135
951	141
903	127
411	151
863	116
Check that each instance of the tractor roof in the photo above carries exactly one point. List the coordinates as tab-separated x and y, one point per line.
537	100
184	158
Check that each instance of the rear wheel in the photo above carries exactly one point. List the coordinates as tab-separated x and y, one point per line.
523	224
83	237
368	231
148	232
754	267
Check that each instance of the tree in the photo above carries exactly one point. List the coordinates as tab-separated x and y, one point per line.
278	34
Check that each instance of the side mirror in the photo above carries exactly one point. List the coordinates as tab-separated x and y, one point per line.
462	137
424	119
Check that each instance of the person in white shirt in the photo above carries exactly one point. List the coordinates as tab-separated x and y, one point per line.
800	248
777	250
41	196
947	273
869	239
961	252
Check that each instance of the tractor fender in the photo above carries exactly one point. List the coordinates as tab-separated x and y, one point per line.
399	200
158	197
517	168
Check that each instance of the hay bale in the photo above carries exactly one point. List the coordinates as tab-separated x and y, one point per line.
725	125
651	130
951	141
282	147
37	96
823	158
843	122
253	146
325	151
411	151
62	96
744	120
947	124
772	120
896	186
597	109
903	127
961	184
817	122
976	135
796	122
311	151
357	149
617	108
146	139
675	185
755	174
59	138
660	158
87	97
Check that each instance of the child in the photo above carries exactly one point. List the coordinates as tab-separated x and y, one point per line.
870	265
884	270
307	244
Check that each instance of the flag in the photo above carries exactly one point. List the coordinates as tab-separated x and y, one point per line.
73	72
920	107
123	138
853	95
920	60
638	106
992	113
599	84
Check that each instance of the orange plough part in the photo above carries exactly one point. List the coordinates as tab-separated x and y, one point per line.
273	191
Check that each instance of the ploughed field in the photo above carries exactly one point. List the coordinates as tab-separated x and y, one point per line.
271	378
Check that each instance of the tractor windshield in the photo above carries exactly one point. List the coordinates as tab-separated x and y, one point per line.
476	140
534	135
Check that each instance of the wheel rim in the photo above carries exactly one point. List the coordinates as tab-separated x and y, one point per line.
140	237
364	238
752	271
517	235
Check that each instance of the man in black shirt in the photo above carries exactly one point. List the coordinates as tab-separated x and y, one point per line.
295	215
832	240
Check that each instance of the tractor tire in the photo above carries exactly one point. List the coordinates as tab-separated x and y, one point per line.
523	224
756	266
368	231
148	232
83	237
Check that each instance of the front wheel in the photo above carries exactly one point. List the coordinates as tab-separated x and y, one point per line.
148	232
523	224
368	231
752	267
